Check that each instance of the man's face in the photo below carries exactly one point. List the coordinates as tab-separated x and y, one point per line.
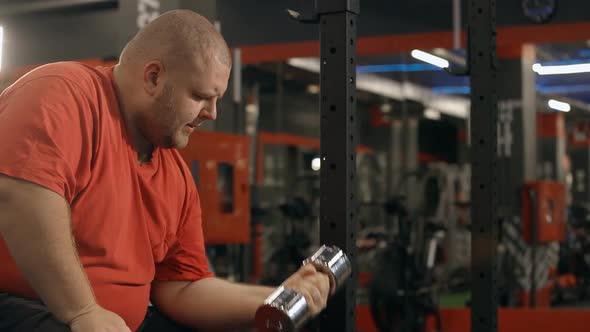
187	99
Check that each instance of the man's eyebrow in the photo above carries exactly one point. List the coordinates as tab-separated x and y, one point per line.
215	93
207	94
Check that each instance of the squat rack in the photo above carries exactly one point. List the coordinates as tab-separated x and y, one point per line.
481	50
338	140
338	208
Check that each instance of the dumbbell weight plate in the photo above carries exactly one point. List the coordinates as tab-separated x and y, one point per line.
285	310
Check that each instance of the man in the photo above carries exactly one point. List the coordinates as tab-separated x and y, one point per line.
98	213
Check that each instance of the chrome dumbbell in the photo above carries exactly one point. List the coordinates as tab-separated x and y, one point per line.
286	310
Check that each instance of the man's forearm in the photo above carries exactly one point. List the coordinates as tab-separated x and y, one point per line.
35	224
210	304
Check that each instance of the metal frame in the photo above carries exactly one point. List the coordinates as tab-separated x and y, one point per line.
484	185
18	8
338	208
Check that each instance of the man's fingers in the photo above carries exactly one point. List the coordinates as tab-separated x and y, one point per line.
312	296
313	285
316	296
321	282
318	288
307	269
324	285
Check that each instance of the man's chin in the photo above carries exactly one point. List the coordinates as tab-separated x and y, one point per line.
180	144
171	142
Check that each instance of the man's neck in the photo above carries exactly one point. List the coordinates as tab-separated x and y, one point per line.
143	147
145	156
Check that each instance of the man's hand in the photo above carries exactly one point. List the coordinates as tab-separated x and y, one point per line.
313	285
98	319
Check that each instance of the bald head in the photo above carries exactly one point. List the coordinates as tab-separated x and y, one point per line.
170	77
174	38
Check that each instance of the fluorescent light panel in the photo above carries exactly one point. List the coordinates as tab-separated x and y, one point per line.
559	105
316	164
561	69
429	58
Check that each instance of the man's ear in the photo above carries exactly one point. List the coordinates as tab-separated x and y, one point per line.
153	77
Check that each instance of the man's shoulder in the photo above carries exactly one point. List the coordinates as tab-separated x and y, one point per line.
77	73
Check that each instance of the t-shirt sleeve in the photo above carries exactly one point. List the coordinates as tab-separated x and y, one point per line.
46	133
186	259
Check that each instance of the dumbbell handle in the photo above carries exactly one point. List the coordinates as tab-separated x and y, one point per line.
286	310
334	263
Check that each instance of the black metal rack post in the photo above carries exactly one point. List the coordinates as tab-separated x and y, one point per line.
338	208
484	186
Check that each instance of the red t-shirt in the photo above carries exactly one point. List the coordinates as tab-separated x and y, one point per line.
61	128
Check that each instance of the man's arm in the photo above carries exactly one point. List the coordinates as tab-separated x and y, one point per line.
35	224
210	304
213	304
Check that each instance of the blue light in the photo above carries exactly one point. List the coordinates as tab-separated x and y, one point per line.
555	89
564	62
565	89
400	67
455	90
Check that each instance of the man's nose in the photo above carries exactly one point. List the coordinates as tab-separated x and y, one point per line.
210	113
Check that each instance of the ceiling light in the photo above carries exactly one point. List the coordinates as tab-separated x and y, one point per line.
561	69
429	58
316	164
308	64
559	105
